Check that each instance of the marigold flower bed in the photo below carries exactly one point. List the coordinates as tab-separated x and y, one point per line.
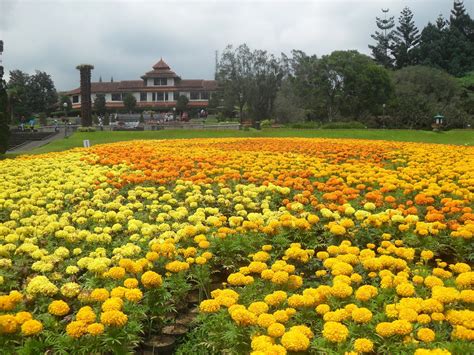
289	245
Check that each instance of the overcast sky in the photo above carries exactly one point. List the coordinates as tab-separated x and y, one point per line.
124	39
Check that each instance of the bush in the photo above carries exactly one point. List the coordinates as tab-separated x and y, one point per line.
343	125
305	125
86	129
266	123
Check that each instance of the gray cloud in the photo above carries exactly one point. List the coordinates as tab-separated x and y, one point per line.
124	39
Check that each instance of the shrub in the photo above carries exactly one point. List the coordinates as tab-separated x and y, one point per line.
86	129
343	125
305	125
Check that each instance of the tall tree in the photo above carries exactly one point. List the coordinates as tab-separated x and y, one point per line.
4	129
422	92
100	104
42	95
406	40
182	103
18	87
461	20
250	79
130	102
381	51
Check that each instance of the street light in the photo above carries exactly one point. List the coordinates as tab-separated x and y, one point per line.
383	109
65	124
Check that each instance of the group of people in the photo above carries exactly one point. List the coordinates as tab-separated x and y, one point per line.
26	124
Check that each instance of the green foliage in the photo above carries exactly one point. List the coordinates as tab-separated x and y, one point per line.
86	129
381	51
182	103
344	125
99	104
406	39
4	129
421	93
130	102
249	79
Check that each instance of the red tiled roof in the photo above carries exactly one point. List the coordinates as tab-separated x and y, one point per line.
161	65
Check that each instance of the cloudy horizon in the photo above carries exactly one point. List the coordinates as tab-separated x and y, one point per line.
123	39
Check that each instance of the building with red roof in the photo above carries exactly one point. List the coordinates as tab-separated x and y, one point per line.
158	89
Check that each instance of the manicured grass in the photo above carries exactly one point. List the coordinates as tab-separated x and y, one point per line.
462	137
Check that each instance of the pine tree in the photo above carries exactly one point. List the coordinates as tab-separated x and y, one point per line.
384	37
461	20
406	40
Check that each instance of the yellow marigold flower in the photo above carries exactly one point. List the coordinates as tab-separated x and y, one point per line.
131	283
265	320
152	279
423	319
427	254
113	318
70	289
22	317
361	315
295	341
437	351
363	345
95	329
8	324
341	290
243	317
405	290
303	329
86	315
366	292
258	307
113	303
261	342
281	316
276	330
134	295
31	327
384	329
58	308
76	329
335	332
407	314
118	292
200	260
337	229
425	335
209	306
99	295
467	296
322	309
116	272
402	327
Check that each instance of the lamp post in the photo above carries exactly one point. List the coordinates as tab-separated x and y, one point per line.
174	113
65	119
383	110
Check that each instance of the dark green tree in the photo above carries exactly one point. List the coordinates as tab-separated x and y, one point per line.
18	91
42	95
406	39
182	103
4	118
381	51
421	93
461	20
431	50
130	102
250	79
100	104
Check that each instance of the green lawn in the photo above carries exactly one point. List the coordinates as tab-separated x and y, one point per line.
463	137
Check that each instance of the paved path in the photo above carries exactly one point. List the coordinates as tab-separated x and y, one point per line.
36	144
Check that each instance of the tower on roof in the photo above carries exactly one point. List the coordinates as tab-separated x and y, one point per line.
161	65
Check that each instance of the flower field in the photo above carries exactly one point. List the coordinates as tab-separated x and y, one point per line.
284	245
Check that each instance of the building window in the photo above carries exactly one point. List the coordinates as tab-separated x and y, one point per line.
194	95
117	97
166	96
160	96
205	95
143	96
176	95
160	82
75	99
